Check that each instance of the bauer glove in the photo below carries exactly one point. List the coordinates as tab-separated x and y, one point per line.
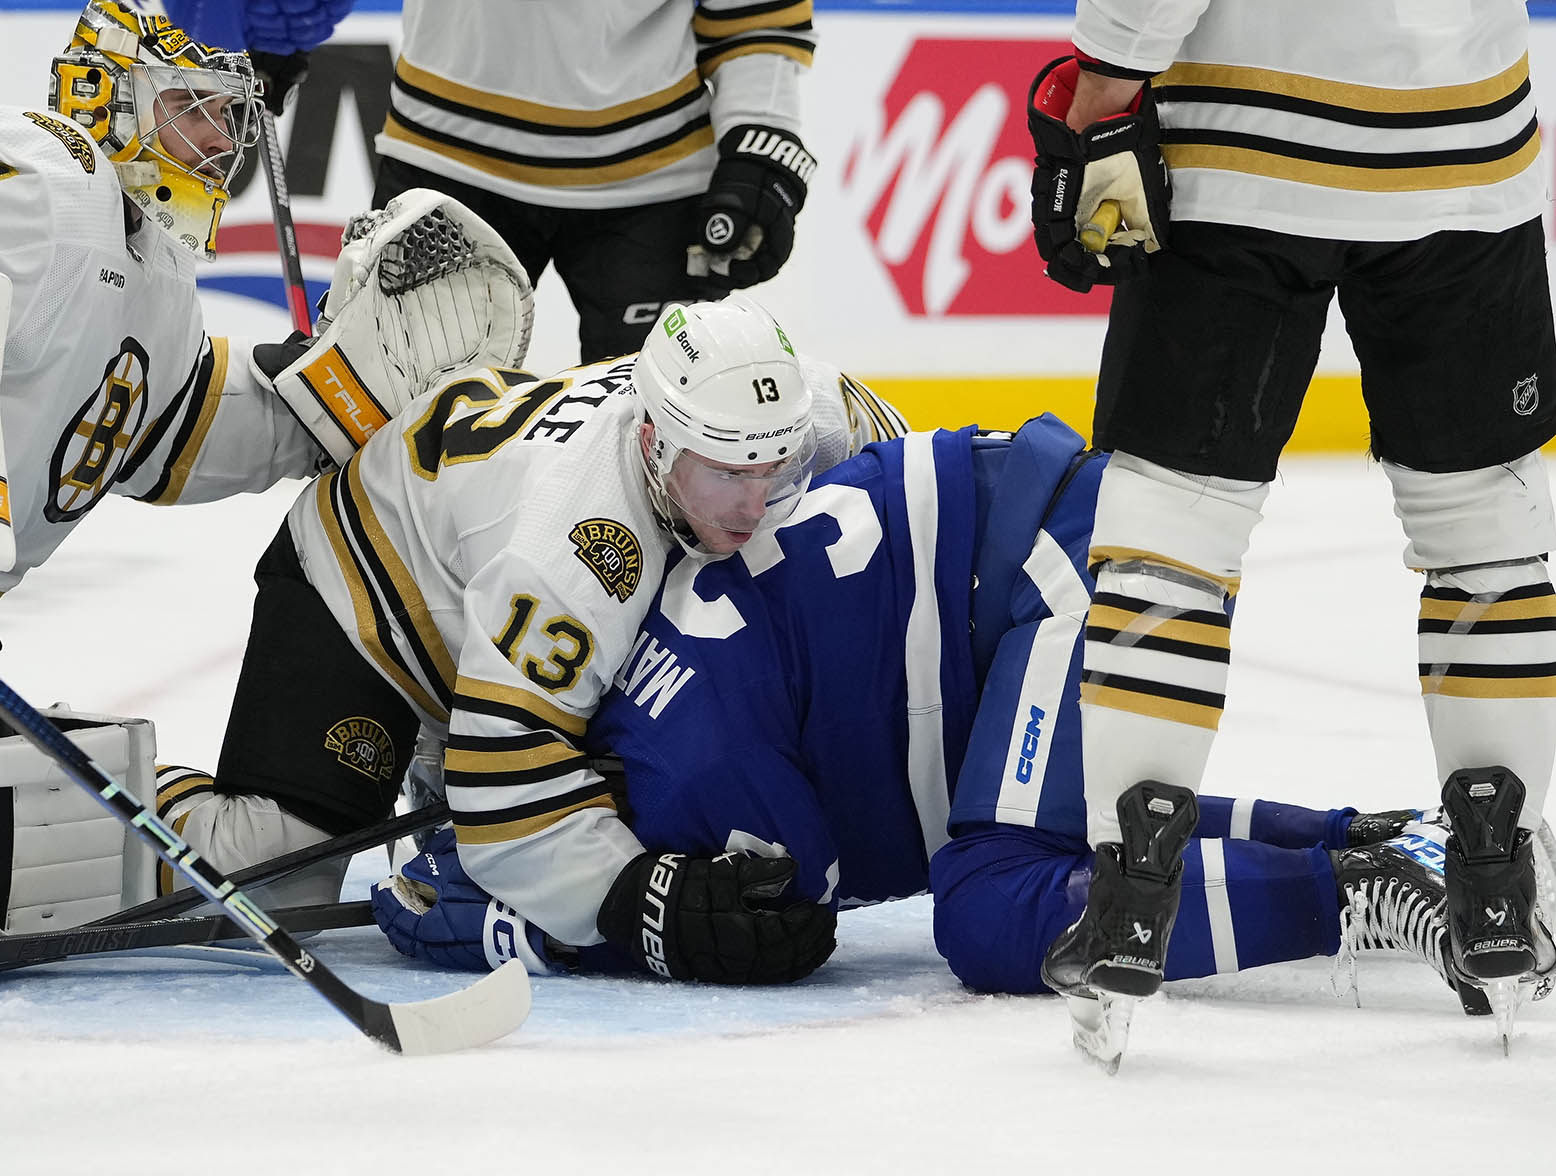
1118	159
722	920
431	910
745	222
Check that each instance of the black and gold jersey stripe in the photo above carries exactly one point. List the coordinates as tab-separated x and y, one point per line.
880	420
1334	157
724	32
525	820
191	412
473	761
516	705
388	607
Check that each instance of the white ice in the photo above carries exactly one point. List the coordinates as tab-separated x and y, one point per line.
879	1063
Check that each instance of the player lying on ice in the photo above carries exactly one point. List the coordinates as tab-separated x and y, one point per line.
884	691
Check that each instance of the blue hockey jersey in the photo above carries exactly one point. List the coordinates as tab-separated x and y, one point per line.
816	690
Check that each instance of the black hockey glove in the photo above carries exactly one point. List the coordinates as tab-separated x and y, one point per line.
745	223
1118	159
719	920
281	75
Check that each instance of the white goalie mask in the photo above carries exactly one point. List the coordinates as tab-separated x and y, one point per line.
733	444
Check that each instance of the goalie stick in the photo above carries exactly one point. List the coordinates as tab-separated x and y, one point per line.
27	948
492	1007
286	231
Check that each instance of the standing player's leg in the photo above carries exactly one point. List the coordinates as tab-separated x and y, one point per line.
1454	333
1203	372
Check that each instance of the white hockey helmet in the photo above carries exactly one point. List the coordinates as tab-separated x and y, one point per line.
734	442
173	115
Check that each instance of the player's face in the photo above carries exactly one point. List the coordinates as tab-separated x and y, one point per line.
196	130
724	504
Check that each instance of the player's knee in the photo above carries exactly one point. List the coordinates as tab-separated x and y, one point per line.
233	832
1002	895
1474	517
1148	514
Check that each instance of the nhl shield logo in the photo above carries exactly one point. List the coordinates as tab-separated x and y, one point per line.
362	745
612	553
1526	395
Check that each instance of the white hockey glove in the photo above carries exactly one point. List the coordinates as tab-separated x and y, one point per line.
422	288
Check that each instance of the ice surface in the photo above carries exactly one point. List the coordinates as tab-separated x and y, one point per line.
879	1063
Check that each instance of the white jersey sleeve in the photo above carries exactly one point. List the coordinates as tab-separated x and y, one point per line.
849	416
108	383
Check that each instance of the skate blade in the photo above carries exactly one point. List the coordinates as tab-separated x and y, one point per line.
1100	1027
1503	996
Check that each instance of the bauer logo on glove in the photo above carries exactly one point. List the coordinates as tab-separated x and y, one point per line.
1100	196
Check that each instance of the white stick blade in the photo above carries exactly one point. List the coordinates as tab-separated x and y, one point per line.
494	1006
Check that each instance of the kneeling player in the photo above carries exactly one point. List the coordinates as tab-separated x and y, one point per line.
885	691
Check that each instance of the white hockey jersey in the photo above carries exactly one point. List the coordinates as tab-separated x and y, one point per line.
492	555
1374	120
597	104
108	382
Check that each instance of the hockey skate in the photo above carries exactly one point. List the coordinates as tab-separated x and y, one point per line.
1499	938
1372	828
1114	954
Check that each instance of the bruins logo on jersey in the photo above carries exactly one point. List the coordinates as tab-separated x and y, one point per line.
75	142
612	553
90	453
363	745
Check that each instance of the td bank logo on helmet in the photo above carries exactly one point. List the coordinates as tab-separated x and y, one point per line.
675	327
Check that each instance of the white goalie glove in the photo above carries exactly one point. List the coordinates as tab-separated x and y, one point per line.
422	288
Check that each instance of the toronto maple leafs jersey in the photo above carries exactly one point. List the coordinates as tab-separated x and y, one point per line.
816	690
492	553
1375	120
601	104
108	381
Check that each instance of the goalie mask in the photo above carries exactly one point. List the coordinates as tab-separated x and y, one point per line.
734	445
172	114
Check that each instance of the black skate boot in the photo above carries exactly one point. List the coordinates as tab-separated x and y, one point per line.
1115	952
1392	899
1495	927
1372	828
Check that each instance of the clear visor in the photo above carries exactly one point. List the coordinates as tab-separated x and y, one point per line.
199	119
740	499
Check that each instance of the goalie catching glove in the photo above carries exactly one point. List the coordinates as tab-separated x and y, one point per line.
720	920
1117	158
422	289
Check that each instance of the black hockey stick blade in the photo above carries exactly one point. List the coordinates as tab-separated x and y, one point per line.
490	1008
264	872
24	949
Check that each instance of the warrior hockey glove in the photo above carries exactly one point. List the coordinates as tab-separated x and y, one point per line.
720	920
431	910
745	223
1118	158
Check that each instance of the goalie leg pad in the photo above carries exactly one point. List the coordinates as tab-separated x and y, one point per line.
69	861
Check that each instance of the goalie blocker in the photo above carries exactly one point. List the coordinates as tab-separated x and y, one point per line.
422	288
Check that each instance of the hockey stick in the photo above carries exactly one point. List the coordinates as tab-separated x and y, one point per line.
27	948
286	232
492	1007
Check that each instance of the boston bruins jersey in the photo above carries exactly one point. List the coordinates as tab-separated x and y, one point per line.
108	381
1375	120
492	555
602	104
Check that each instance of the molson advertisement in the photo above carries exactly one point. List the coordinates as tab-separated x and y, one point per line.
913	267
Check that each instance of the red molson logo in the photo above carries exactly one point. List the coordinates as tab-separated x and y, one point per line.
943	171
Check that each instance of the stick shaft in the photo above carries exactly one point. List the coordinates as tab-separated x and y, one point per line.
286	231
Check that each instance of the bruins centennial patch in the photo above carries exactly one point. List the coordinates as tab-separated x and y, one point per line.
612	553
75	142
363	745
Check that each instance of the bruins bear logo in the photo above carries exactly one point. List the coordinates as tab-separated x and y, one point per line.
363	745
612	553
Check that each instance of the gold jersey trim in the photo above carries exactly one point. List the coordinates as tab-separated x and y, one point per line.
713	24
1379	99
695	139
527	826
1120	620
181	464
1101	555
516	696
480	102
1152	706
